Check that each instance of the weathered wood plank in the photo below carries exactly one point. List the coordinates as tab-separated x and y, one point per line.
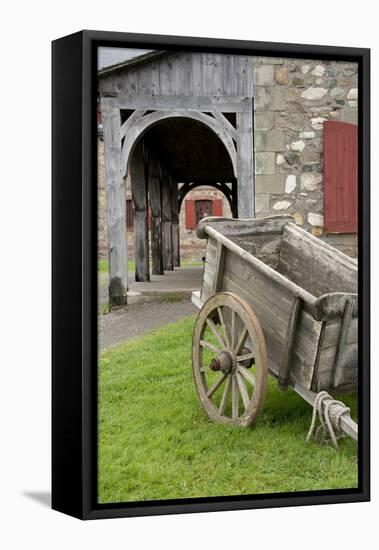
175	223
229	227
139	181
154	186
224	104
228	127
315	266
218	267
342	358
134	117
116	208
208	73
166	222
270	273
292	327
329	306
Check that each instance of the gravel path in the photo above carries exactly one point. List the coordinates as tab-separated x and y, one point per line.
124	324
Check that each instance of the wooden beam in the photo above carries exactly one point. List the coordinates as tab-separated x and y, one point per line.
175	224
245	165
285	366
154	185
138	178
219	267
166	222
226	104
130	122
340	355
116	208
226	124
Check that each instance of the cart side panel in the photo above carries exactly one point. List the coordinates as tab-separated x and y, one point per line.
315	266
327	375
264	247
272	303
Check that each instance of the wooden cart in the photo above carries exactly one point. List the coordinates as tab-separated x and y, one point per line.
274	300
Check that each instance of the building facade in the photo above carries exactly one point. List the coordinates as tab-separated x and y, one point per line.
293	151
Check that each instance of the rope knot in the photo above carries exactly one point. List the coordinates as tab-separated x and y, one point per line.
329	412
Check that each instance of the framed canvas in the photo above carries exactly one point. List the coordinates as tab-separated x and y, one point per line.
210	274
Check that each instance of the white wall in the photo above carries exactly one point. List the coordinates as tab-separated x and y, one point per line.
27	30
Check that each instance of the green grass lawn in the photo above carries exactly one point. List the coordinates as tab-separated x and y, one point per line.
155	441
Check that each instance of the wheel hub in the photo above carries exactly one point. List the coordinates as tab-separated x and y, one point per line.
223	362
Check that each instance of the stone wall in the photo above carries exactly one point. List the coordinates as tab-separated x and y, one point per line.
293	98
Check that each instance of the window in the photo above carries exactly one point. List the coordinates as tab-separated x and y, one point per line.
196	210
203	209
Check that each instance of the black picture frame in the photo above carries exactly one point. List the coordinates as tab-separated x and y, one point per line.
74	295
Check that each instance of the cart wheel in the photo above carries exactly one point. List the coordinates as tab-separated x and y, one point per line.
229	360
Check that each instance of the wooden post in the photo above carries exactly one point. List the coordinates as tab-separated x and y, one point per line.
116	208
166	222
175	223
138	176
245	164
154	185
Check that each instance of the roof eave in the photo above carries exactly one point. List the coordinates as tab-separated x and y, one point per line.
145	58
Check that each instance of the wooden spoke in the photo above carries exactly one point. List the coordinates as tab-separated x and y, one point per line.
208	345
235	398
216	385
223	324
241	340
245	357
219	337
247	374
237	324
243	391
225	395
233	330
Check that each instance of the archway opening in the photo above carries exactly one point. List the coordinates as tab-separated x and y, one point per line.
170	161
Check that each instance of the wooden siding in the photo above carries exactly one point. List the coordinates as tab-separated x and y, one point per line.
199	74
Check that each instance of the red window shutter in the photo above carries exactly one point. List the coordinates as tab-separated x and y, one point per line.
217	207
190	214
340	177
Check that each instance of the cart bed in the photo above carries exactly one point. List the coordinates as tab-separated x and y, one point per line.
302	290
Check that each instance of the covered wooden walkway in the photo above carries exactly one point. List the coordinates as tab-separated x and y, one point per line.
170	141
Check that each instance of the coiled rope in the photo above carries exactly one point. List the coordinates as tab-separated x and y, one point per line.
329	412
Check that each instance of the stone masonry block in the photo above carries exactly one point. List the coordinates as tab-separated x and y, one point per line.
272	140
349	115
262	203
264	120
269	98
265	163
269	184
264	75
